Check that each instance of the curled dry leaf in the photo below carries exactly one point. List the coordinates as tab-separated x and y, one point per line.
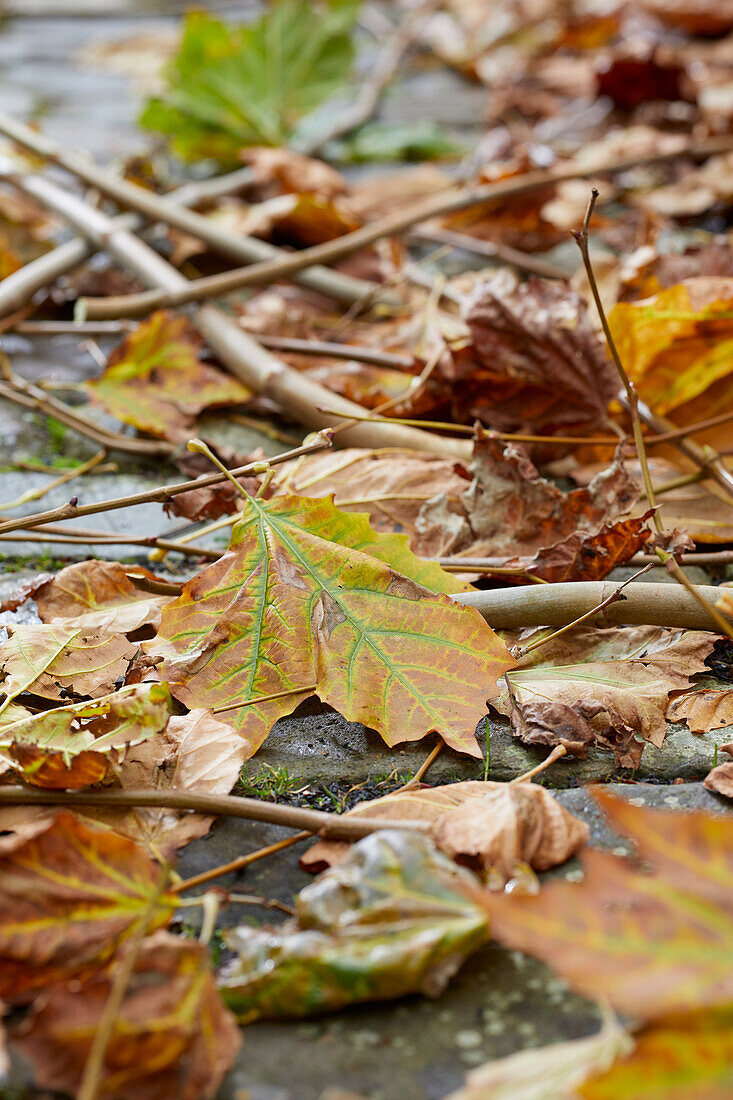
704	709
156	381
720	780
547	1073
69	893
534	362
479	824
69	748
88	662
508	510
602	687
394	917
652	944
172	1038
305	595
95	595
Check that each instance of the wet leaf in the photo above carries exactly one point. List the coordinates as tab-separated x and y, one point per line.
67	748
69	893
478	824
392	918
685	1056
534	361
156	381
651	943
602	687
172	1039
231	86
87	663
309	594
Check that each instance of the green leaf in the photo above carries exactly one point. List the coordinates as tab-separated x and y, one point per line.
385	141
310	595
230	86
394	917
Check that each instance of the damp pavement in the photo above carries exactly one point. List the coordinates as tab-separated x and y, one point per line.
501	1001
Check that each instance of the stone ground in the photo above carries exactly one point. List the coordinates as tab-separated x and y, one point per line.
501	1002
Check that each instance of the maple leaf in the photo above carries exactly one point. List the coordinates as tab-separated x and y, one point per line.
652	944
69	893
308	594
56	659
479	824
156	381
392	918
534	362
602	687
68	747
172	1038
96	595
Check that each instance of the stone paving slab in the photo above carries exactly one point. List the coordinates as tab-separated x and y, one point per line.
412	1049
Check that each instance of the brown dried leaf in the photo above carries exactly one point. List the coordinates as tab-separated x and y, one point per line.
87	663
720	780
591	557
172	1039
704	710
534	362
479	824
602	687
508	510
283	172
95	595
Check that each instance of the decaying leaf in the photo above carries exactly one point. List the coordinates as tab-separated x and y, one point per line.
156	381
720	779
88	663
69	893
509	511
311	595
68	747
547	1073
479	824
652	944
684	1056
602	687
534	361
172	1039
704	710
93	595
392	918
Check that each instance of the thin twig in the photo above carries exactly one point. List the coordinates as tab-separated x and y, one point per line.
240	862
335	826
160	495
94	1068
454	198
415	780
558	752
632	402
309	688
165	546
69	475
492	250
331	350
617	594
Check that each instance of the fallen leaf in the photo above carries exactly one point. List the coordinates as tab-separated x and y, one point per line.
508	510
172	1038
479	824
652	944
546	1073
230	85
156	381
93	595
534	361
285	172
392	918
303	594
69	894
632	78
587	556
685	1056
694	193
67	748
602	687
704	709
720	780
677	344
88	663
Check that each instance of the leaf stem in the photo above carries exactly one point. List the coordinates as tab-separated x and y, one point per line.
240	862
